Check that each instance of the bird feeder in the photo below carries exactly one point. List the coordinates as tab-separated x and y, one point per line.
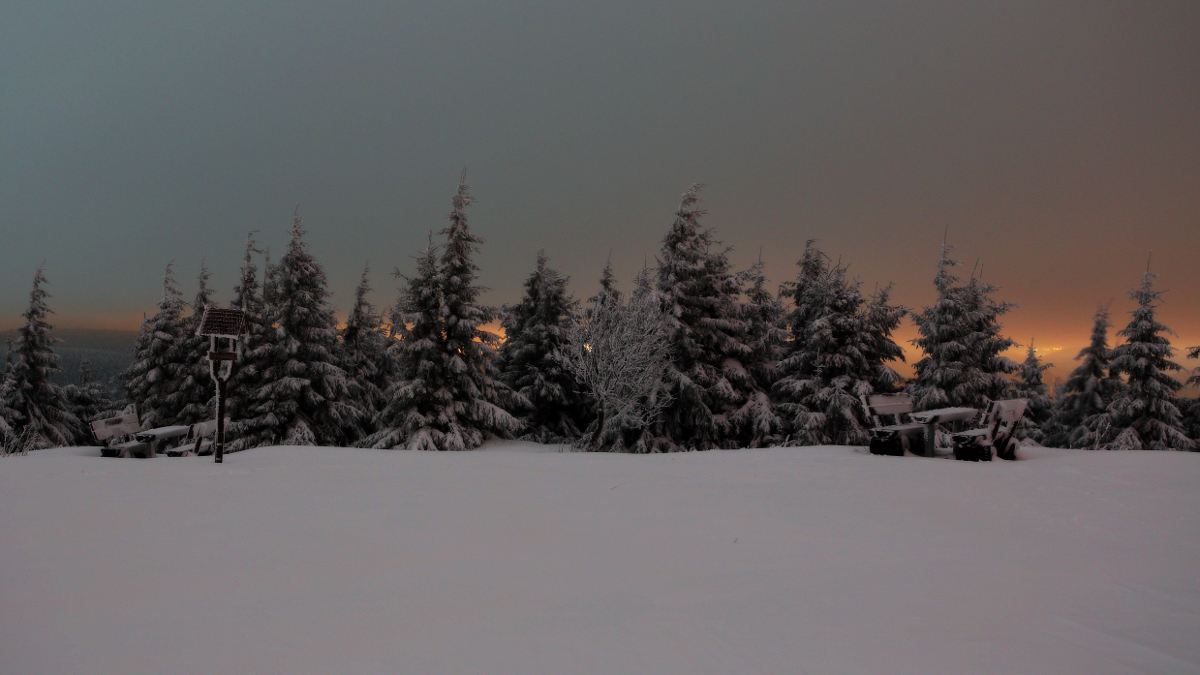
223	327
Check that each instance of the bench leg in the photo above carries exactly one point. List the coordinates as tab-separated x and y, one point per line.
930	438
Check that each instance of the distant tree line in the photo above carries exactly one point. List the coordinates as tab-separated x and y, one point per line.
697	356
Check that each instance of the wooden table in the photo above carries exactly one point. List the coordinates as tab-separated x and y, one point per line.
932	418
159	437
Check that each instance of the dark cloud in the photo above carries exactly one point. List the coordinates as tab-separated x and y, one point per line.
1058	141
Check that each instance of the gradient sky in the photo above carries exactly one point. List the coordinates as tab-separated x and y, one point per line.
1058	141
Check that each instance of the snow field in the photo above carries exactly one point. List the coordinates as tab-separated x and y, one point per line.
520	559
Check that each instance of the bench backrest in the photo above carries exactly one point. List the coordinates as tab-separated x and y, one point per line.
896	405
1001	416
1008	412
105	430
202	429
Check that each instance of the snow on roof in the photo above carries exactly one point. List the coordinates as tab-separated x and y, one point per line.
218	322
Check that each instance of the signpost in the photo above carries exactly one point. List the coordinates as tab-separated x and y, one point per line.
222	324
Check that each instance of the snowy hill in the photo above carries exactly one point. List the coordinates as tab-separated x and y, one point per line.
520	559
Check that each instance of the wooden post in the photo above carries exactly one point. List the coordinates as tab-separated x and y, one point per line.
220	452
229	324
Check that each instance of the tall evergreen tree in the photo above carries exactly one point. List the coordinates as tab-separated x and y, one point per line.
36	405
8	416
881	320
608	286
1145	416
1088	391
1039	408
1190	408
448	395
303	398
253	351
89	400
535	332
709	381
839	344
960	336
363	347
757	420
415	398
152	378
193	393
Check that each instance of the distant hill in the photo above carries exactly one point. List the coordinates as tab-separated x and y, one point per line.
110	351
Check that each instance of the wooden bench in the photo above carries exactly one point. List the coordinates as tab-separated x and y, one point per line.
900	435
994	435
116	436
197	441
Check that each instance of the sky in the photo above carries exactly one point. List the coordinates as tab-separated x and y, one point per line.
1056	143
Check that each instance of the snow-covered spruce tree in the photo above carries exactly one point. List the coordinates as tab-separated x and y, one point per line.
619	351
882	318
608	286
248	369
1039	407
1083	402
303	397
37	406
8	416
193	393
1190	407
960	337
1145	415
363	350
535	332
757	420
834	358
154	375
416	395
448	394
89	400
709	380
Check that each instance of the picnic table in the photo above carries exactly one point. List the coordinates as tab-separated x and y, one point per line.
158	438
932	418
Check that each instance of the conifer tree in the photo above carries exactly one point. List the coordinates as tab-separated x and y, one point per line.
1088	391
840	342
535	331
448	395
303	398
363	349
252	351
1190	407
608	286
1039	408
37	406
757	420
154	375
960	336
194	390
709	381
881	319
89	400
417	395
1145	416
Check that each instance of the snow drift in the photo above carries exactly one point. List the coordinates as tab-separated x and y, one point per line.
519	559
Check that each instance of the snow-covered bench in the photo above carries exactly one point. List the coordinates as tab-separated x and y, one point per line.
894	438
197	441
116	436
995	433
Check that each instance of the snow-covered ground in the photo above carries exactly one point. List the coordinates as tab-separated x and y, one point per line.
520	559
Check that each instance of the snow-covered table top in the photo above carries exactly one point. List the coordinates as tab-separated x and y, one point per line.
944	415
162	433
